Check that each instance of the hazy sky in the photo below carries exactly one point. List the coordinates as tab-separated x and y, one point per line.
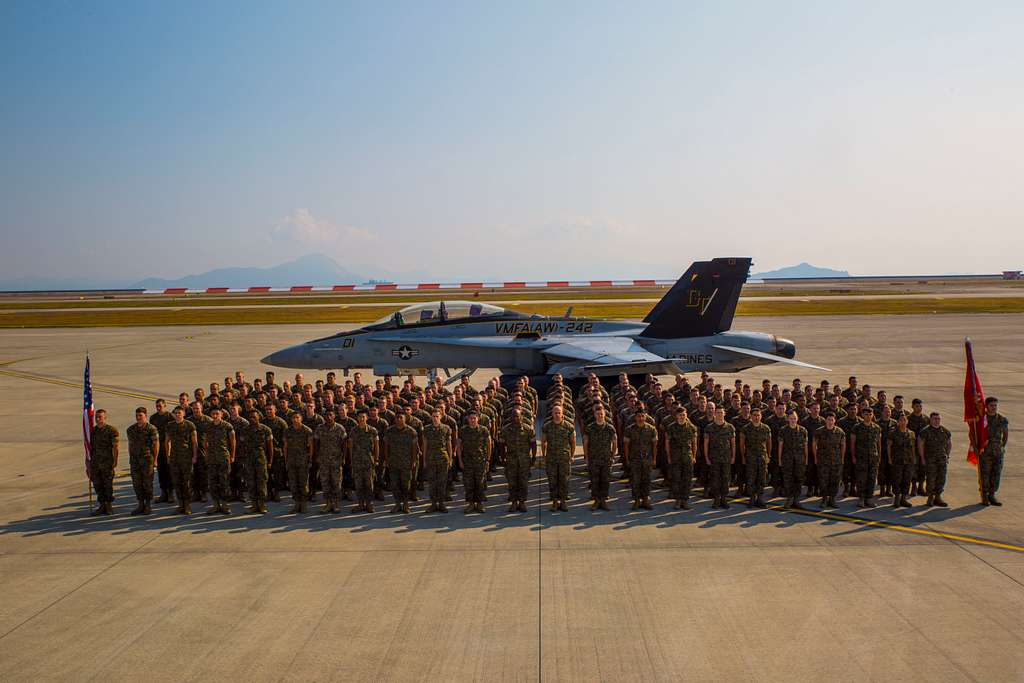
514	139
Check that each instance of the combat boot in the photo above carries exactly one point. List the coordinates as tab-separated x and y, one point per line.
938	501
930	501
147	508
869	503
796	505
991	499
469	508
905	503
562	506
137	510
984	500
646	504
441	507
522	506
406	509
862	503
357	509
723	504
897	500
186	511
98	511
225	508
368	506
788	504
684	504
636	504
214	509
396	509
328	507
603	504
479	507
759	502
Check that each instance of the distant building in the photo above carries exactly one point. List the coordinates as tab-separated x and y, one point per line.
1013	275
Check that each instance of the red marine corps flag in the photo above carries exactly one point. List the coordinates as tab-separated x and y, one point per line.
974	408
88	418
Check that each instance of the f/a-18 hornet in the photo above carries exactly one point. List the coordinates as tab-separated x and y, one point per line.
687	330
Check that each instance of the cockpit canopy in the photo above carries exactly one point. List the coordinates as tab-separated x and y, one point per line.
439	311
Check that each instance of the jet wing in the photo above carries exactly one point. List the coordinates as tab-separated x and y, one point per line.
767	356
603	351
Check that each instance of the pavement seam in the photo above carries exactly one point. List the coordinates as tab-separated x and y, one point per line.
76	588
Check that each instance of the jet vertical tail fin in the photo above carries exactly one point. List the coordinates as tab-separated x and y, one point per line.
702	302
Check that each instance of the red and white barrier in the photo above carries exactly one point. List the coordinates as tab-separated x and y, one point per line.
389	287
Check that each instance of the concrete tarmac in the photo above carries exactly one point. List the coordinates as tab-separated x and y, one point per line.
926	595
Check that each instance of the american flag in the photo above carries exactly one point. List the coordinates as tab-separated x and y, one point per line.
88	418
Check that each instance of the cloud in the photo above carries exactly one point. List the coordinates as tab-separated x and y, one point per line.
301	227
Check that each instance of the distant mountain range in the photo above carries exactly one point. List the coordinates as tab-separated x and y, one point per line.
801	270
312	269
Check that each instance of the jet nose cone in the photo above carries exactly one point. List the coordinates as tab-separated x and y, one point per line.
291	357
785	348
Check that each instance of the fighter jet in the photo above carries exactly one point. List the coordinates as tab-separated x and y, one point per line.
687	330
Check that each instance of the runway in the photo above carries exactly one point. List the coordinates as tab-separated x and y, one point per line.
662	595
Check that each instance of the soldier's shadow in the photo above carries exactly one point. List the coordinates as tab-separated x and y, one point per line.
71	518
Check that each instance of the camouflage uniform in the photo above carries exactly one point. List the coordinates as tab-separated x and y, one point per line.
720	454
296	445
829	449
643	442
600	438
885	477
474	444
867	444
849	474
363	462
255	437
990	461
756	440
438	460
936	441
179	459
401	460
218	451
101	461
277	478
236	477
141	458
163	468
794	445
902	447
330	441
561	440
682	439
917	422
200	483
518	441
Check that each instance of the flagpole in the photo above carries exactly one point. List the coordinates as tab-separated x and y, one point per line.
88	468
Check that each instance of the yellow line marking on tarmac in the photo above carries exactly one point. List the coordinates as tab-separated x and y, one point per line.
860	521
78	385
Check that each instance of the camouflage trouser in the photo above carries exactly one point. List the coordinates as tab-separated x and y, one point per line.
990	469
718	478
600	471
517	472
829	473
901	475
330	478
362	482
640	477
298	479
142	478
103	482
774	473
473	477
256	476
867	470
921	473
792	473
437	475
200	478
558	477
380	479
218	475
278	480
401	483
181	475
681	476
935	473
757	476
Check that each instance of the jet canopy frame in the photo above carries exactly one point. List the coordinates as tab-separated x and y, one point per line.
432	312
